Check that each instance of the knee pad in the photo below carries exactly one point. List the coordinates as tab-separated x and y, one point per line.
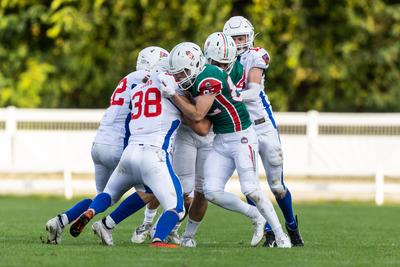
275	155
279	191
211	195
255	196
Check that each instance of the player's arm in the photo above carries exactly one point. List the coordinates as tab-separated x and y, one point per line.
260	63
197	111
201	128
253	84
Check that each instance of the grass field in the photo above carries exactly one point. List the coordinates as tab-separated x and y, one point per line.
336	234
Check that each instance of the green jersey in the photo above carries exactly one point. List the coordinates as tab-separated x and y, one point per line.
227	113
238	75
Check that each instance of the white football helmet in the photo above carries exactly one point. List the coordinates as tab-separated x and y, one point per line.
186	61
239	25
149	57
221	48
160	66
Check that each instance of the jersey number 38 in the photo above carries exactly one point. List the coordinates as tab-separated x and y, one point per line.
146	103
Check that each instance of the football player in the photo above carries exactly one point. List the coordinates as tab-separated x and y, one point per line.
145	164
110	139
189	155
235	143
219	50
255	61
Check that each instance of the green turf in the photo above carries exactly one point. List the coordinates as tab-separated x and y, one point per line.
336	234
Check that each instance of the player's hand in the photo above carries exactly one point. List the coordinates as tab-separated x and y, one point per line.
168	84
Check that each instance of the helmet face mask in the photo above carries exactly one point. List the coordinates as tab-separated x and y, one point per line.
186	61
240	27
220	50
149	57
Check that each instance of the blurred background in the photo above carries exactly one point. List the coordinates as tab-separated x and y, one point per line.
333	81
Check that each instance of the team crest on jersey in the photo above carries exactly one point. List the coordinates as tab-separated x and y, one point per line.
265	57
189	54
210	86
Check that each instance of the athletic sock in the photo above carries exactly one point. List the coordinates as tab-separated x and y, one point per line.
176	227
109	222
191	228
286	206
75	211
267	228
250	201
149	215
127	207
100	203
165	224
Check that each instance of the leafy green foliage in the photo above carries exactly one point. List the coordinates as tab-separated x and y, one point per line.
326	55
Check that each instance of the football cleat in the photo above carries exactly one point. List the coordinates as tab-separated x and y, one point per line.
295	236
269	240
160	244
258	234
54	228
283	241
141	233
103	233
173	238
188	242
77	227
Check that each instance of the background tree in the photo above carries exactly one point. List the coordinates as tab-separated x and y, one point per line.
331	55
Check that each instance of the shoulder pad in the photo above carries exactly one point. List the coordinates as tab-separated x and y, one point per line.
258	52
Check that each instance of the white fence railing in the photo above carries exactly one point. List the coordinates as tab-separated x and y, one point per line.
315	144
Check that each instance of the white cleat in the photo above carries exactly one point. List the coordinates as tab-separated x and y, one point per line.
283	241
173	238
188	242
54	229
258	235
103	233
141	233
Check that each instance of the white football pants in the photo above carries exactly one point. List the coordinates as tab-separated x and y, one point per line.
270	150
105	159
148	169
237	150
189	156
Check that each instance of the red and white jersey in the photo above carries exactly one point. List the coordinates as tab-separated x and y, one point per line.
258	106
154	118
113	125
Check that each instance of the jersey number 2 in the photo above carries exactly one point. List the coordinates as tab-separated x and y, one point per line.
120	89
150	102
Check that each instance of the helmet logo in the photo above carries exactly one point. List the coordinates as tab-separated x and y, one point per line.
189	55
163	54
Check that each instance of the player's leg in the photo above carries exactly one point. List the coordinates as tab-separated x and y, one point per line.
184	165
218	169
121	180
167	188
270	150
245	155
136	201
199	204
105	159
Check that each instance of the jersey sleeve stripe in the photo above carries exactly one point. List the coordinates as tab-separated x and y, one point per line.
231	111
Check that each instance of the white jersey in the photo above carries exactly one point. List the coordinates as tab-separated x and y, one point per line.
154	118
113	125
258	106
